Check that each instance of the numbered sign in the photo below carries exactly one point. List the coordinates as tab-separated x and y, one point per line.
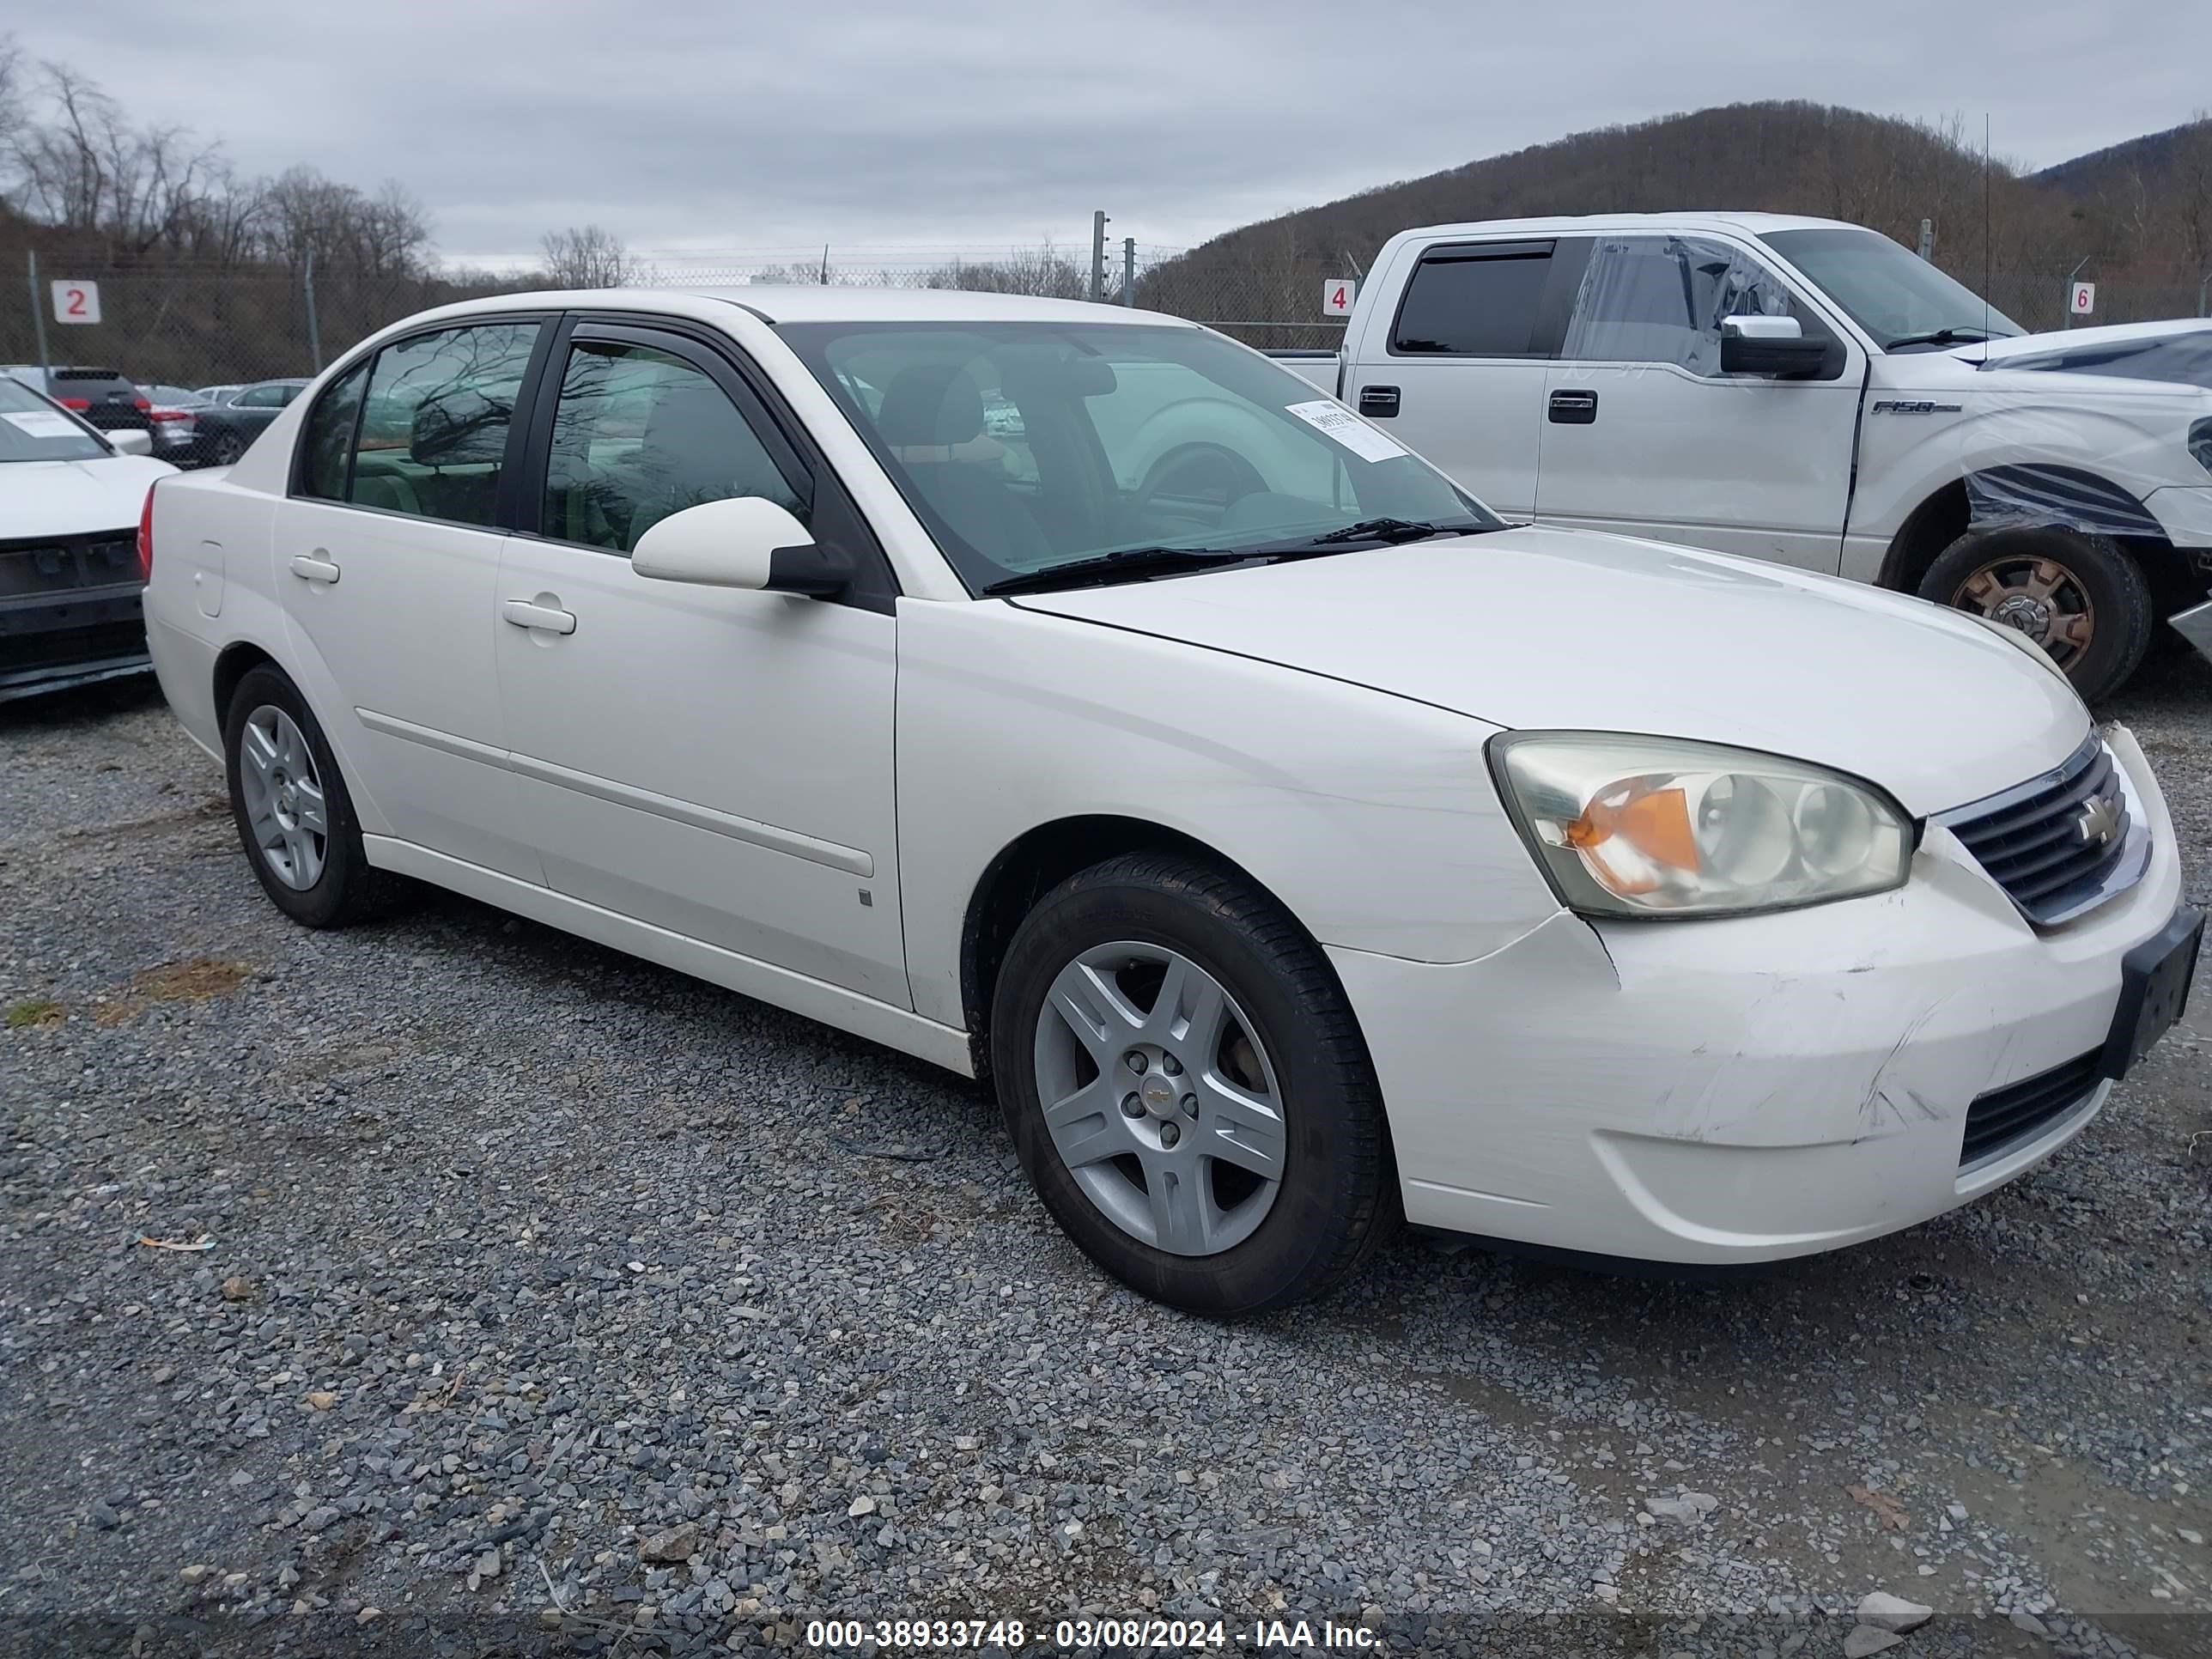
2083	300
77	302
1336	297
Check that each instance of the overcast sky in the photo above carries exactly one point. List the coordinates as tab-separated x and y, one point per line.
688	124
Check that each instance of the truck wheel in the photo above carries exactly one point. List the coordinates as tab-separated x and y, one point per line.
293	815
1187	1089
2079	597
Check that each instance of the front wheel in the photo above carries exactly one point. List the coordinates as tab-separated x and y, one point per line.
1187	1089
2079	597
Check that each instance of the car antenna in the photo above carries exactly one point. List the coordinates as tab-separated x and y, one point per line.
1986	306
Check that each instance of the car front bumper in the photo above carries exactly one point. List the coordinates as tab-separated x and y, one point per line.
1749	1089
50	642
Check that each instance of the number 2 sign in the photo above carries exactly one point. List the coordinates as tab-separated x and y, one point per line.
77	302
1336	297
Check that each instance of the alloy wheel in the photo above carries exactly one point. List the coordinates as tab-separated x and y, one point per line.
2040	597
1160	1098
284	801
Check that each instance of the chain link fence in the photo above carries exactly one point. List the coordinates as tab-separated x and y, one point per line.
191	327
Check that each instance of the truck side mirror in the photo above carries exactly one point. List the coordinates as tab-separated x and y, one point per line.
1774	346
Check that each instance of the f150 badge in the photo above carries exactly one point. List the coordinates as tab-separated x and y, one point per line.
1915	406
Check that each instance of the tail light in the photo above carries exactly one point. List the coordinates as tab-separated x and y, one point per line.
141	402
146	537
75	403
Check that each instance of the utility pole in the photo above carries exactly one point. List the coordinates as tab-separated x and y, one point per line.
314	330
1928	240
1098	223
38	322
2204	287
1129	273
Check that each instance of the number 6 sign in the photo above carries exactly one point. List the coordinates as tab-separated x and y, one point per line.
77	302
2083	300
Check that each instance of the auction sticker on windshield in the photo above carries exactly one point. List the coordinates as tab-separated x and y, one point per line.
42	423
1348	429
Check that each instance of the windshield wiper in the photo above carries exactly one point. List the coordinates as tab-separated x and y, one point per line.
1942	337
1128	562
1390	531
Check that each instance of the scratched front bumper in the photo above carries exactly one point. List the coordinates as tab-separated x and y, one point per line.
1749	1089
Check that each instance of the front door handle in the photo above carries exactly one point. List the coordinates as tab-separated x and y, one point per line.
1573	408
546	618
314	567
1378	402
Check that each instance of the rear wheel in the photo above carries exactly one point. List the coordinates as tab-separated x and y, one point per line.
2079	597
293	815
1187	1089
227	449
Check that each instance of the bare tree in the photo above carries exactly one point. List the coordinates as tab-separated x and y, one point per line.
588	256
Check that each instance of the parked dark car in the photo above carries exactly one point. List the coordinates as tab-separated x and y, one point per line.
221	431
175	414
101	396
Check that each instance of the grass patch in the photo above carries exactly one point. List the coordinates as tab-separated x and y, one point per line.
36	1011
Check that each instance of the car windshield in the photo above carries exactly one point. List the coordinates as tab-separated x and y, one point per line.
32	429
1117	451
1889	291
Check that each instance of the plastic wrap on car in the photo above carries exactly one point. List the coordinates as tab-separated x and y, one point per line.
1665	304
2041	494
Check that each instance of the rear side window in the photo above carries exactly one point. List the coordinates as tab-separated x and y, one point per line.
432	437
641	433
327	448
263	397
1468	302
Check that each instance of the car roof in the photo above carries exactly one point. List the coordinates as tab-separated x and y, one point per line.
803	303
1748	224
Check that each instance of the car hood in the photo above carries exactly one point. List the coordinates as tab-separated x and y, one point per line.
74	498
1535	627
2177	353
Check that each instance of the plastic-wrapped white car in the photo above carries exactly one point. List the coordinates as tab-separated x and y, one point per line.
1293	845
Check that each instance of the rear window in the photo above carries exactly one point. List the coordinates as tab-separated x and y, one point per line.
86	374
32	429
1464	302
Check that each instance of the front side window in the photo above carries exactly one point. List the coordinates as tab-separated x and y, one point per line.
32	429
264	396
1473	303
1660	299
639	434
1029	448
432	436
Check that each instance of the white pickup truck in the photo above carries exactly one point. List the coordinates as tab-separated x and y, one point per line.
1805	392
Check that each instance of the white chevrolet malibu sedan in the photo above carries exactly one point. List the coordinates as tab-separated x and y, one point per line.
1077	699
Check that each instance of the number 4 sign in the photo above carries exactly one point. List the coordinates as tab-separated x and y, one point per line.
2083	299
77	302
1336	297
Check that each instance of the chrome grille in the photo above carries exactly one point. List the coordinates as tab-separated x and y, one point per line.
2062	843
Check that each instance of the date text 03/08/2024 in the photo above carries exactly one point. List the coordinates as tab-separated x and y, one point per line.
1076	1634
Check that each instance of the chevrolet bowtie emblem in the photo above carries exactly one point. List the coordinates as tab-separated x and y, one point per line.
2099	820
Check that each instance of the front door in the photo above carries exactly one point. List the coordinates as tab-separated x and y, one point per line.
1644	436
715	762
387	556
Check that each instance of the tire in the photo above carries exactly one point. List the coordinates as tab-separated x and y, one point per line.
228	450
1286	1035
319	879
2078	596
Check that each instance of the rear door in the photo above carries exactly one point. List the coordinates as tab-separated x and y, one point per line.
387	552
1644	435
1457	371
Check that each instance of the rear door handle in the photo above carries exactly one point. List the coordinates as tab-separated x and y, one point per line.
314	567
549	619
1378	402
1573	408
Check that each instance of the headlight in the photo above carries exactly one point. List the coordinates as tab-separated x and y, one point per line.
2012	636
1649	827
2200	442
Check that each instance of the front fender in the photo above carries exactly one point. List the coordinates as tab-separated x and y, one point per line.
1371	818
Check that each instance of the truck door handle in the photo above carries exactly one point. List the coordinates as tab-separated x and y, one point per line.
1378	402
314	567
550	619
1573	408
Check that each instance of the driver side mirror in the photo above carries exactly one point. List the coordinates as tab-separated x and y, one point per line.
1775	346
128	442
744	542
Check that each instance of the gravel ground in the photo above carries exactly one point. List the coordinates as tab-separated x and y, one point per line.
556	1299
